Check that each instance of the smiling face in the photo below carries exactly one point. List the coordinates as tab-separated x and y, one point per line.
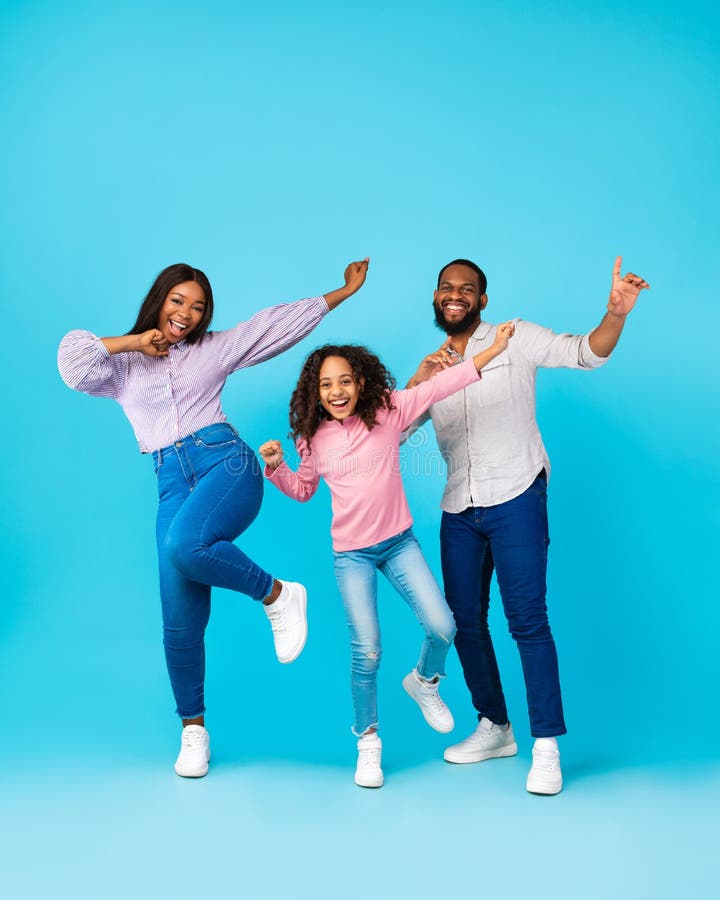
339	391
181	311
457	300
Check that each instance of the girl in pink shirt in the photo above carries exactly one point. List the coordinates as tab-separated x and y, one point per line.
347	420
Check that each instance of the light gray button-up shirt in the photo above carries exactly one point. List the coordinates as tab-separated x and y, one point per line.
487	433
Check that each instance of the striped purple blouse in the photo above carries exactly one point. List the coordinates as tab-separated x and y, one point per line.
168	397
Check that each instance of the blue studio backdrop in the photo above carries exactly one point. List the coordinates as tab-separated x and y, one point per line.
269	145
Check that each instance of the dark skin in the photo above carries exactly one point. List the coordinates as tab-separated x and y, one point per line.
180	314
459	292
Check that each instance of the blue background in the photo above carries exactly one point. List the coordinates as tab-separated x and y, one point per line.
269	146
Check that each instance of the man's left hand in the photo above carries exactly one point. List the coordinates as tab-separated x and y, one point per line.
624	291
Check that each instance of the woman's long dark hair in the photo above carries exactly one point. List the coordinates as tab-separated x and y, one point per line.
306	413
150	309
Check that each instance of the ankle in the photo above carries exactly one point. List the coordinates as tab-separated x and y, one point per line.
274	593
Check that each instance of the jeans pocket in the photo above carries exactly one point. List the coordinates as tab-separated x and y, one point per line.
217	436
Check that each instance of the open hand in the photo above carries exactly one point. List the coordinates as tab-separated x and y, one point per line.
355	274
503	334
272	454
624	291
153	343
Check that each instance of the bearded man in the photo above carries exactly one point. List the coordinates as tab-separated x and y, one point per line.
495	506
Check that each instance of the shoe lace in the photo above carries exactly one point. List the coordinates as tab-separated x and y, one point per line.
547	760
370	757
278	616
192	740
432	698
482	732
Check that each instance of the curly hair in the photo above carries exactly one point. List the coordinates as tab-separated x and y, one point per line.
306	413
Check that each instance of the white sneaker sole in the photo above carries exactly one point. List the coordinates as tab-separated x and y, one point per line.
461	758
546	790
303	612
442	728
194	773
370	784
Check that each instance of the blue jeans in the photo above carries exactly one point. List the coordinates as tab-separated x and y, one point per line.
400	560
514	537
211	488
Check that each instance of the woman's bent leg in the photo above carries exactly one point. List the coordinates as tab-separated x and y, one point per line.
222	504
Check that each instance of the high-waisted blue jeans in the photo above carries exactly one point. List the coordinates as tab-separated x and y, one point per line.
401	561
211	488
514	537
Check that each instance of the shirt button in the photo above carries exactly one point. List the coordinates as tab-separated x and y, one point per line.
178	443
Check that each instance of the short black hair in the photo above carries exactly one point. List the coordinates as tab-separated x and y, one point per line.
482	280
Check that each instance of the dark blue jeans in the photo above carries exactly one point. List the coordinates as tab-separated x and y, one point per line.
211	488
512	537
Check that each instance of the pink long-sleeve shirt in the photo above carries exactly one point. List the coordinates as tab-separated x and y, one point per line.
361	465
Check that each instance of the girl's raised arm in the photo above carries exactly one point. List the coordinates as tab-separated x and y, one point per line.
300	485
414	401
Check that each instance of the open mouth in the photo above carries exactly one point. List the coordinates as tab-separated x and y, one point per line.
455	306
339	405
177	329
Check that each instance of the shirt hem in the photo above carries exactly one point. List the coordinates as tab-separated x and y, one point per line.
377	540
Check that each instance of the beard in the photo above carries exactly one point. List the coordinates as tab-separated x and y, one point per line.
471	317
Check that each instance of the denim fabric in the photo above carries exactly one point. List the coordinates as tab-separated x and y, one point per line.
211	488
514	537
400	560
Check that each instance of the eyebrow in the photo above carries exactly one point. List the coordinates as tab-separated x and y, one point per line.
180	294
462	284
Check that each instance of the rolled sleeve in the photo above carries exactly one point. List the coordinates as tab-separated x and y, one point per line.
588	359
547	349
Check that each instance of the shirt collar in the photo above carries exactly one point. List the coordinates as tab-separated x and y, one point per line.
481	332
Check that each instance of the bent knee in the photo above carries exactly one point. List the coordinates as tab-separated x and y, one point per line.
442	632
182	551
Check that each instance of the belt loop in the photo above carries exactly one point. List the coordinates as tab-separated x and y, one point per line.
160	457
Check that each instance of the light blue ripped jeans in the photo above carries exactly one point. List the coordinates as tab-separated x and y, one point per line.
400	560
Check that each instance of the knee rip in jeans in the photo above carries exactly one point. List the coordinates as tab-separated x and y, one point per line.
366	661
445	638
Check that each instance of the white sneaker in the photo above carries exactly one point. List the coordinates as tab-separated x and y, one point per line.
192	762
369	773
488	741
288	620
545	776
425	694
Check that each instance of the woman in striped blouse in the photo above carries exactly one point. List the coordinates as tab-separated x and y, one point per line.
167	373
